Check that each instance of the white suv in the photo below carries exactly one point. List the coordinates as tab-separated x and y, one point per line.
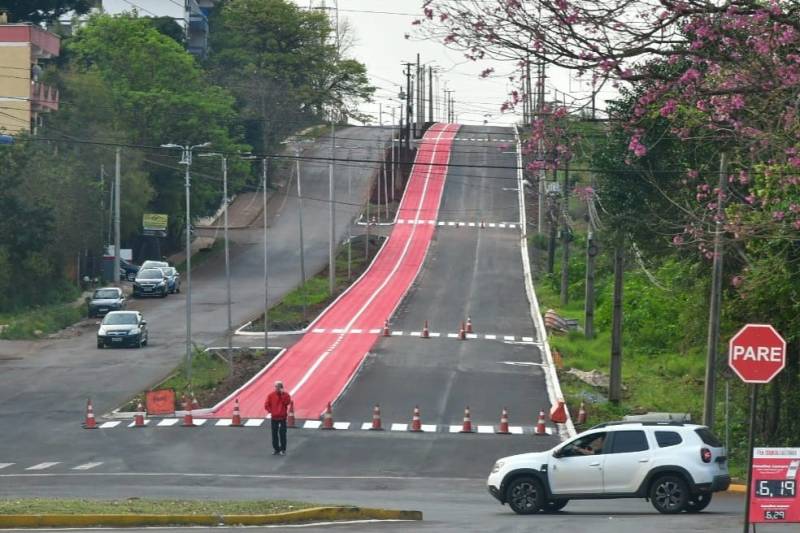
676	466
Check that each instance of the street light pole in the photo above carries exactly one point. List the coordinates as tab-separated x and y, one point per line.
332	216
266	263
300	221
187	160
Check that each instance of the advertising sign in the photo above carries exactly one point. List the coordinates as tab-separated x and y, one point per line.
774	497
154	224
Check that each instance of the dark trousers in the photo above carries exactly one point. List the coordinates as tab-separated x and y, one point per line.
279	435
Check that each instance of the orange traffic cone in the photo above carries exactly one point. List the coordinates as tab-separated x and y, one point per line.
89	422
540	429
138	418
416	423
327	418
503	428
466	427
558	413
195	403
581	415
290	416
386	331
469	325
425	331
236	421
376	418
188	420
462	333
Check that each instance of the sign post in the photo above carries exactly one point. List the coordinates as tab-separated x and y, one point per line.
757	353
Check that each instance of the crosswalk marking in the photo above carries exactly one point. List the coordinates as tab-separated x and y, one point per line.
490	337
527	339
374	331
485	429
452	335
254	422
132	424
415	334
431	428
508	337
341	425
167	422
399	427
318	330
397	334
108	425
312	424
356	331
366	425
87	466
455	429
434	334
43	466
515	430
224	422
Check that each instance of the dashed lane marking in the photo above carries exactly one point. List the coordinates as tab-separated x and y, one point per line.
43	466
433	335
87	466
168	422
6	465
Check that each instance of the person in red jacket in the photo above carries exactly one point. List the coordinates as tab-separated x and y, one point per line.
277	404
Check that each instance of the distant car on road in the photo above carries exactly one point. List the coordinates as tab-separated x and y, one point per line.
123	328
155	264
173	279
150	282
676	466
127	270
106	299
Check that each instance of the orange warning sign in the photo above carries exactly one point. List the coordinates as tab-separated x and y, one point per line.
160	402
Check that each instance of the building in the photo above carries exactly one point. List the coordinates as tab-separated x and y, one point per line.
23	98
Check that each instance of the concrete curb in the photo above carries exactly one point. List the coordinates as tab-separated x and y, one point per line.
737	489
144	520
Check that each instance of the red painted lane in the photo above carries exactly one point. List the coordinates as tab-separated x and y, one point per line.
318	368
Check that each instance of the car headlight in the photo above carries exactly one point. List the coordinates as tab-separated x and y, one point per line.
132	332
497	466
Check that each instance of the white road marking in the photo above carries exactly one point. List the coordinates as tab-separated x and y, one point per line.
254	422
490	337
375	331
441	223
338	330
109	425
87	466
319	330
455	429
433	334
508	337
471	336
451	223
399	427
492	225
515	430
452	335
43	466
6	465
168	422
400	221
485	429
341	425
429	428
146	422
521	363
397	333
471	224
199	421
366	425
432	222
415	334
312	424
224	422
356	331
527	339
501	225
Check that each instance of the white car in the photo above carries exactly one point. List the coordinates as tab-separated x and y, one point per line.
676	466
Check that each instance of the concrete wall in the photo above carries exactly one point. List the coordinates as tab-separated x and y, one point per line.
15	87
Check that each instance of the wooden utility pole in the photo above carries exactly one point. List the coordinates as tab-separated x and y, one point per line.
615	382
565	239
712	347
588	309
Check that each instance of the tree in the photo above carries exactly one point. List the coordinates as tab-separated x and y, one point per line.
38	11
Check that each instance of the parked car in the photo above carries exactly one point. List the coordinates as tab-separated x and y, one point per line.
150	282
155	264
676	466
123	328
127	270
173	279
106	299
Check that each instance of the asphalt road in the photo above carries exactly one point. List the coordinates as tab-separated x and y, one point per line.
44	384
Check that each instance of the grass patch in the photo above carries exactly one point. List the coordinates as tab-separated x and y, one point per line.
202	256
40	321
135	506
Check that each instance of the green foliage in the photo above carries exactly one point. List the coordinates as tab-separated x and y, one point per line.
38	11
43	320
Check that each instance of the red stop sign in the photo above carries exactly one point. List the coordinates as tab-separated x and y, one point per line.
757	353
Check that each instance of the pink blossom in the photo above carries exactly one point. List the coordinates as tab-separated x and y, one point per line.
778	215
677	240
668	108
796	224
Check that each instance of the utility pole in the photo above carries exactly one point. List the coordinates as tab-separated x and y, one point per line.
615	381
409	107
332	214
264	181
709	397
394	156
300	223
430	92
418	98
117	187
565	240
366	241
591	252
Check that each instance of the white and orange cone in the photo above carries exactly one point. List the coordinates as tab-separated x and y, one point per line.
386	331
502	429
540	429
188	419
89	422
416	422
462	333
327	418
138	418
469	325
466	427
236	420
290	423
426	333
195	403
376	418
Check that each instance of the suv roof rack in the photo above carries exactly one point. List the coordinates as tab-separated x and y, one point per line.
651	423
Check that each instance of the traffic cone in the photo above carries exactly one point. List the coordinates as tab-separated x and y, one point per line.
386	331
195	403
469	324
327	418
236	421
416	423
462	334
483	225
466	427
188	420
558	413
138	418
290	416
581	415
540	429
425	331
376	418
89	422
503	428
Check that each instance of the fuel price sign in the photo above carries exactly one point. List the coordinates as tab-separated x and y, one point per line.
775	485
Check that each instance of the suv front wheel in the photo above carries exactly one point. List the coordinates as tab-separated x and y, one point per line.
669	494
525	495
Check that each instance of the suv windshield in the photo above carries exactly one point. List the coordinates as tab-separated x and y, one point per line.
106	294
155	264
151	273
114	319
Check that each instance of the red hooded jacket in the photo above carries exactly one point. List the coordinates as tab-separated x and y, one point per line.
277	404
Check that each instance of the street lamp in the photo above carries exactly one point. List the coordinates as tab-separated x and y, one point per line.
227	254
187	160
